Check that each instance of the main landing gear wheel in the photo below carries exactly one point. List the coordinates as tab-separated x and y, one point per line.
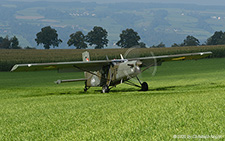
105	89
144	86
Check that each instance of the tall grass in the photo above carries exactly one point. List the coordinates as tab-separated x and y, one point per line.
8	58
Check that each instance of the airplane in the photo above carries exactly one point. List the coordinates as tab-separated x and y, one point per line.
108	73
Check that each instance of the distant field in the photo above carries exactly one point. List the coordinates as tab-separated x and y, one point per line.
154	22
185	98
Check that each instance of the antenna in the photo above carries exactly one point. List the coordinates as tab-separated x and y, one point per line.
121	56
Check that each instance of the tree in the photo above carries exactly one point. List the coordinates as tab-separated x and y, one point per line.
98	37
191	41
48	37
14	43
175	45
128	38
5	42
142	45
78	40
160	45
1	42
218	38
29	47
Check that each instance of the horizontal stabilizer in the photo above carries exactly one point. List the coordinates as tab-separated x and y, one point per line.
70	80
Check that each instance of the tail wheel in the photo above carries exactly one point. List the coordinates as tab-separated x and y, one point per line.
144	86
105	89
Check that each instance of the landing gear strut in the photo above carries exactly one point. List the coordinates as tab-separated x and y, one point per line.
144	85
86	88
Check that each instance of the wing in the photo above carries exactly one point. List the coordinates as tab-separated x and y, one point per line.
62	66
147	61
97	65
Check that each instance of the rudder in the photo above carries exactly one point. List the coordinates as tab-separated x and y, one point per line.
86	56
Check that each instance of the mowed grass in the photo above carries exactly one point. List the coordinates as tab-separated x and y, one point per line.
185	98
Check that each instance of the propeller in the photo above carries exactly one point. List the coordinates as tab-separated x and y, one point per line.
135	52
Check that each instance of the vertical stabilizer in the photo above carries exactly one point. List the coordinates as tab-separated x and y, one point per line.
85	56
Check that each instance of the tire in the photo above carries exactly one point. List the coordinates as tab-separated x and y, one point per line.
144	86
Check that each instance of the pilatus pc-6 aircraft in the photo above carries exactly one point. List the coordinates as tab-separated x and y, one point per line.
108	73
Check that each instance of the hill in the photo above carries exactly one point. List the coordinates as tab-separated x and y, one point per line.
199	2
155	22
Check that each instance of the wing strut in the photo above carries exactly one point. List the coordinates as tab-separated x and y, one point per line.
144	85
148	67
132	84
86	71
92	73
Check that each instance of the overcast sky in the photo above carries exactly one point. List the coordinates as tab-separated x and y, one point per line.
200	2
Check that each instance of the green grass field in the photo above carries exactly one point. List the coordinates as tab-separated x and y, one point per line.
186	99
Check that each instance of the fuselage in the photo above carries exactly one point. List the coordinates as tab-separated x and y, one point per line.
115	73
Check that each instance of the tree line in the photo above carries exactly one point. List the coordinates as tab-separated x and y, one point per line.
98	37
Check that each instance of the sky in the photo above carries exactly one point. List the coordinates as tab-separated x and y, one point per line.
199	2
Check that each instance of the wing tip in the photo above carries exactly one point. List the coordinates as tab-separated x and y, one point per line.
14	68
206	53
